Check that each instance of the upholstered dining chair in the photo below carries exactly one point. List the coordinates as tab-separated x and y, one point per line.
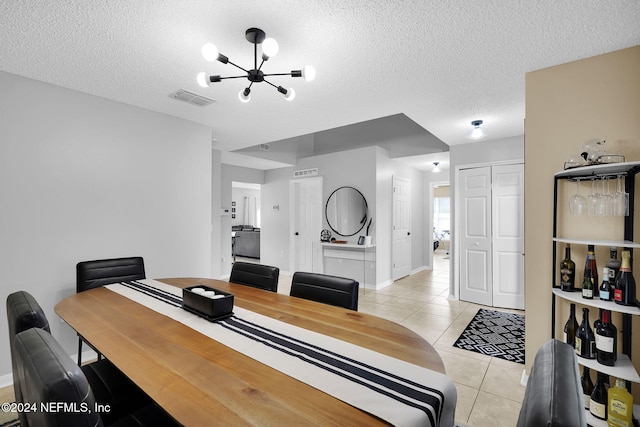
49	377
23	312
256	275
109	384
96	273
332	290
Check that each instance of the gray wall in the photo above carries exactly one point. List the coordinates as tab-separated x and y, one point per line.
82	177
370	171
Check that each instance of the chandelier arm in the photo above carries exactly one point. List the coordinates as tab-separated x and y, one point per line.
237	66
233	77
269	83
278	74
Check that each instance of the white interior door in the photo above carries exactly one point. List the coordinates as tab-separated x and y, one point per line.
475	235
508	235
306	221
401	228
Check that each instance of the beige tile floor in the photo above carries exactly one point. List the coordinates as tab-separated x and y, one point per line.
489	390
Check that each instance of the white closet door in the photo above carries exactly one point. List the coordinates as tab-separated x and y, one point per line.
475	235
508	236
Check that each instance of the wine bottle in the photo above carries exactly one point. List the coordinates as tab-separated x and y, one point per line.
605	291
571	327
598	402
620	405
567	272
587	285
585	339
613	265
625	292
587	386
606	340
590	264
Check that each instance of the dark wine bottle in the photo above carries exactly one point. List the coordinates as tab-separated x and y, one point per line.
567	272
587	285
625	292
590	264
598	401
606	290
606	340
585	339
571	327
587	386
613	265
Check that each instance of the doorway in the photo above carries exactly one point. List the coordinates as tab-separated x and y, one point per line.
401	228
245	221
306	221
490	208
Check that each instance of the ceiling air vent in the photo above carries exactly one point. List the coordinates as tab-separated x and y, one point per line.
191	98
264	147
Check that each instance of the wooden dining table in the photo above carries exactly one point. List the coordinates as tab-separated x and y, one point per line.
201	382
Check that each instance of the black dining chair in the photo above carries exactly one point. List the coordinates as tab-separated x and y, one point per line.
332	290
256	275
23	312
97	273
109	384
50	379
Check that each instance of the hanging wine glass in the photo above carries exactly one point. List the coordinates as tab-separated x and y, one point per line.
620	198
592	199
605	199
577	202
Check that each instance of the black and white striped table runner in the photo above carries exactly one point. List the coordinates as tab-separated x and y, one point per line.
391	389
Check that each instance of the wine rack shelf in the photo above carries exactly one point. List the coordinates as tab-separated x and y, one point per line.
597	303
617	243
623	369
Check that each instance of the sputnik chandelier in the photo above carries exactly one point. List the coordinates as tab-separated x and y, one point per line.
255	75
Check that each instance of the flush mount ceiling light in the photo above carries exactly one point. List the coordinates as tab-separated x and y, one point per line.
254	36
436	168
478	130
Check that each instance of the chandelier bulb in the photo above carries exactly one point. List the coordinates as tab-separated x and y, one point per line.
269	48
210	52
202	79
245	95
290	95
308	73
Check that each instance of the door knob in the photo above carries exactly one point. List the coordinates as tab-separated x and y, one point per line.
477	243
297	234
408	233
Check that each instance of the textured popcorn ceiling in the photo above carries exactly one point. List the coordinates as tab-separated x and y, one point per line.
440	63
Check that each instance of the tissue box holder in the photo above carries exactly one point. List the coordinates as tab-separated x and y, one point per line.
208	308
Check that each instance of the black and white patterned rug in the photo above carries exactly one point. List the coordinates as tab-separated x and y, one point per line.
495	334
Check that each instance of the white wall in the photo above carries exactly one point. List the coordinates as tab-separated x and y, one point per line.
82	177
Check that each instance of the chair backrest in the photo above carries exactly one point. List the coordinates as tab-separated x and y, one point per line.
93	274
50	377
326	289
256	275
23	312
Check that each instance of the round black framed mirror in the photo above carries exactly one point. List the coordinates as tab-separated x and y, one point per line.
346	211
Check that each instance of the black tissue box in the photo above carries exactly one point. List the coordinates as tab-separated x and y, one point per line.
203	306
